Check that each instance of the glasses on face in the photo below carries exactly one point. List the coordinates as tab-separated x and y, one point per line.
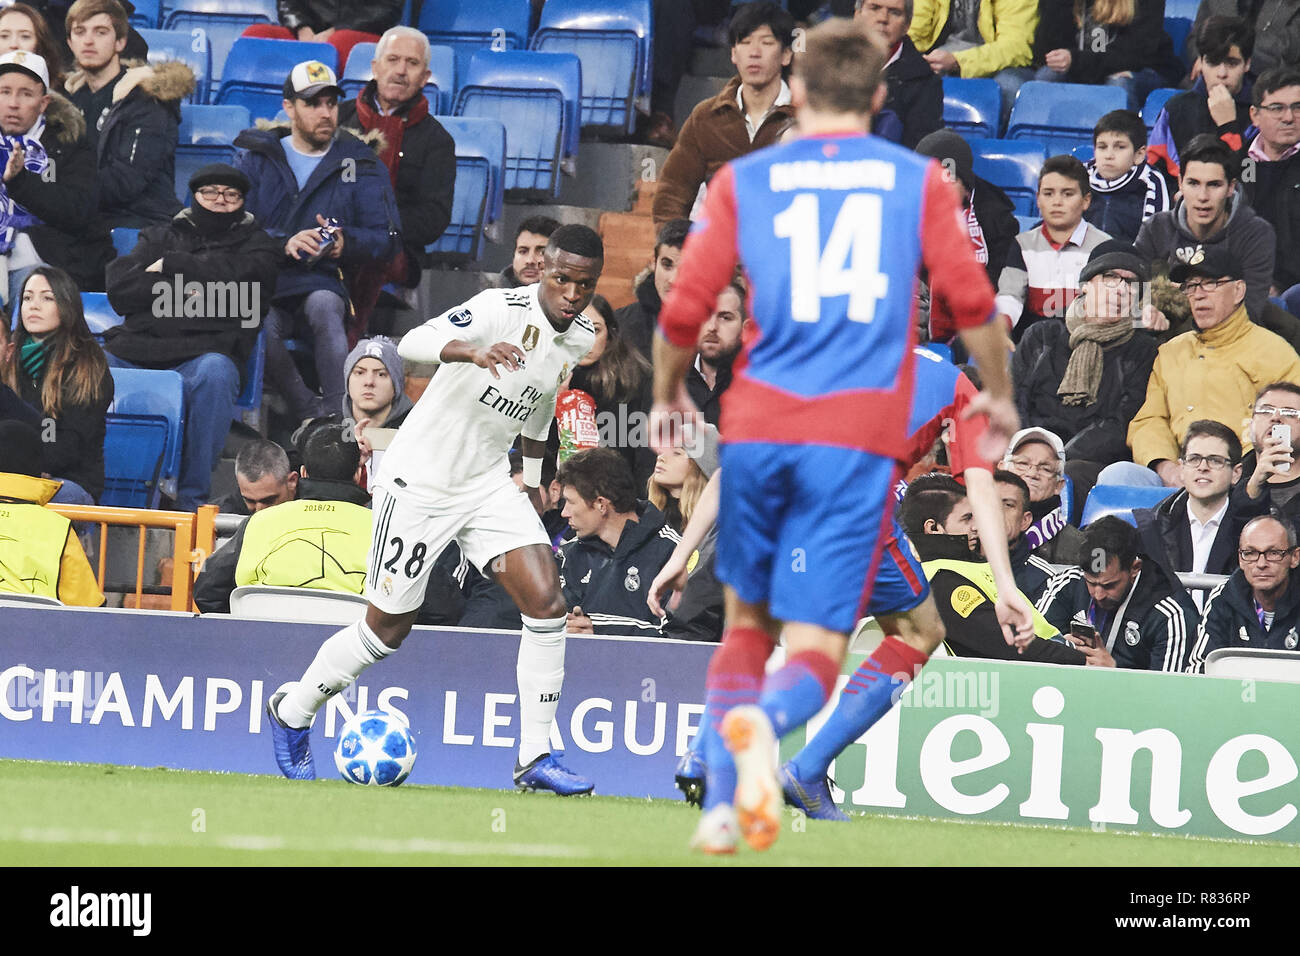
1024	464
1277	109
1216	462
216	192
1271	411
1202	285
1115	280
1272	555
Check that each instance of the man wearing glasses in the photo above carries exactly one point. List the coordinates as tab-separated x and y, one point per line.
1273	188
1038	456
1212	372
1259	606
1267	476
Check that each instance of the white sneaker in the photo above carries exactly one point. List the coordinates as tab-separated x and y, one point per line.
748	735
717	831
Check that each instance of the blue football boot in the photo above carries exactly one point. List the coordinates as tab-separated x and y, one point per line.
813	798
689	776
292	746
545	773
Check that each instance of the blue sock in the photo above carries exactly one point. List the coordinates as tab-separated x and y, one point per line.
797	691
720	767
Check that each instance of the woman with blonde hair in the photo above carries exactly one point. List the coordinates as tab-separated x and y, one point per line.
680	476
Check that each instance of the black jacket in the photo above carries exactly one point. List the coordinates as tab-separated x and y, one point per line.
71	234
1266	503
996	214
611	584
1032	572
1051	536
1167	537
1230	621
708	401
375	16
1274	192
698	617
1152	629
914	94
1096	432
1097	51
242	254
137	143
638	320
76	452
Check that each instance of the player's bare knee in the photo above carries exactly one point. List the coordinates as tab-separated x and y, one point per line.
545	607
391	629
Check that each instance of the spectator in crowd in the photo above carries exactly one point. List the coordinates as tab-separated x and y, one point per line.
939	522
46	218
620	545
303	177
751	112
696	613
12	408
1219	101
638	320
62	372
1038	457
914	93
1268	481
1212	373
376	384
263	478
206	332
1275	25
1276	174
419	153
1041	275
530	246
1086	378
680	476
132	116
1118	44
40	552
1142	617
977	38
1211	213
341	23
1032	572
300	543
1126	192
718	345
1259	605
23	28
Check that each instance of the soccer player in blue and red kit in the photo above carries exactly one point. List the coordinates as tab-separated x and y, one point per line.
832	231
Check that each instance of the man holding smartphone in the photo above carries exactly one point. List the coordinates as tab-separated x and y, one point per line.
1269	478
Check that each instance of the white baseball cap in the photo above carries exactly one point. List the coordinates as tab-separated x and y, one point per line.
33	64
311	78
1039	435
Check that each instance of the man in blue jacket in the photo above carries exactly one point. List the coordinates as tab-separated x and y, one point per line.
302	177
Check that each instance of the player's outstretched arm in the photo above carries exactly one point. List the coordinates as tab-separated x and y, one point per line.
672	576
989	349
1012	609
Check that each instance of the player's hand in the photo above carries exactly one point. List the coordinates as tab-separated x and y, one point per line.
1059	60
303	244
1016	617
1004	421
578	622
15	164
1171	473
668	421
503	353
671	577
1223	108
941	62
1098	656
1153	318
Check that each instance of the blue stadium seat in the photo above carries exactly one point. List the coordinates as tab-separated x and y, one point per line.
124	239
439	91
256	70
1083	152
99	314
1121	501
141	398
1182	8
535	96
251	396
205	135
179	45
971	107
1179	29
1013	167
1027	222
609	39
147	14
480	192
1155	103
469	25
134	449
219	22
1061	115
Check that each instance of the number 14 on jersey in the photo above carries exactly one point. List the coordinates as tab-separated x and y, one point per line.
848	265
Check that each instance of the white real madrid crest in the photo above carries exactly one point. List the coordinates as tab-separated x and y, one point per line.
633	580
1292	639
1132	634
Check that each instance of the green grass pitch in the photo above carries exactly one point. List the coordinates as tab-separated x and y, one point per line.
92	814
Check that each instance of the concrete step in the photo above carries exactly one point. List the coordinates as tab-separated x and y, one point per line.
608	174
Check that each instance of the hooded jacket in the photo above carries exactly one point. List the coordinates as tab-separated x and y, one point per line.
1231	621
136	158
1165	237
349	184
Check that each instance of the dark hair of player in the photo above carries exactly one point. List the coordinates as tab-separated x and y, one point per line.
1106	538
752	16
929	497
840	68
1278	78
1122	121
538	226
1208	148
672	233
1204	428
1004	477
1218	35
577	240
600	473
331	454
1070	168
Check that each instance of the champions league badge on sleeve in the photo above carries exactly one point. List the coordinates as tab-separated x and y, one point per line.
461	318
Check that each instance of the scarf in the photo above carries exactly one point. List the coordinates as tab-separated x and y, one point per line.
1046	528
32	358
1087	342
393	126
13	217
209	223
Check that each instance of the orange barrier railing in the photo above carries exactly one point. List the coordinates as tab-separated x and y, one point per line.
193	537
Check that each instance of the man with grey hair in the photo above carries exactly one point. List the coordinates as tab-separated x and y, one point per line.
914	92
419	153
1259	605
264	479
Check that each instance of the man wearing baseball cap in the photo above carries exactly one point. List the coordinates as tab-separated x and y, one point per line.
326	196
46	218
1038	457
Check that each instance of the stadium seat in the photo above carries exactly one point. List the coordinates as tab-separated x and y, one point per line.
1027	222
205	136
610	39
251	395
147	14
1254	663
179	45
479	199
439	91
535	96
1121	501
469	25
1013	167
256	69
1061	115
1067	497
307	605
142	444
971	107
1179	29
99	314
1155	103
1083	152
219	22
1182	8
124	239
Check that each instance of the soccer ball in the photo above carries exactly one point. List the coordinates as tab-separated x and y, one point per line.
375	749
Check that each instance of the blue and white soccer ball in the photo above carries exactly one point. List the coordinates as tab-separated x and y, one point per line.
376	749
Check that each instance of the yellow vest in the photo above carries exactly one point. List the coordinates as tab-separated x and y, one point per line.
31	548
965	598
307	544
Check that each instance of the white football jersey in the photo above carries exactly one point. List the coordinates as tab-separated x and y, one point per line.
452	447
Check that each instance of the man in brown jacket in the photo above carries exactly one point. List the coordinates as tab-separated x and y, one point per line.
751	111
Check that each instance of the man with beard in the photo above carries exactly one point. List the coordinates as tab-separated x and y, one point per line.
718	346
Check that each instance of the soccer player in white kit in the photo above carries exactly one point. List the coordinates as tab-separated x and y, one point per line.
446	478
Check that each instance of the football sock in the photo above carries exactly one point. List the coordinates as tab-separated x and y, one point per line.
798	690
540	672
870	692
735	676
340	661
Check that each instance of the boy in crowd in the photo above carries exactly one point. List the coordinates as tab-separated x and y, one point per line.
1126	192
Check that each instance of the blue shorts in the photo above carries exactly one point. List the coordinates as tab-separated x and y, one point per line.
802	528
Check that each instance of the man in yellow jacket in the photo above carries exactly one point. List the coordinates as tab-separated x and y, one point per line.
40	554
1212	372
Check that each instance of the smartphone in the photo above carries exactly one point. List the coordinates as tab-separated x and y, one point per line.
1283	433
1084	632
